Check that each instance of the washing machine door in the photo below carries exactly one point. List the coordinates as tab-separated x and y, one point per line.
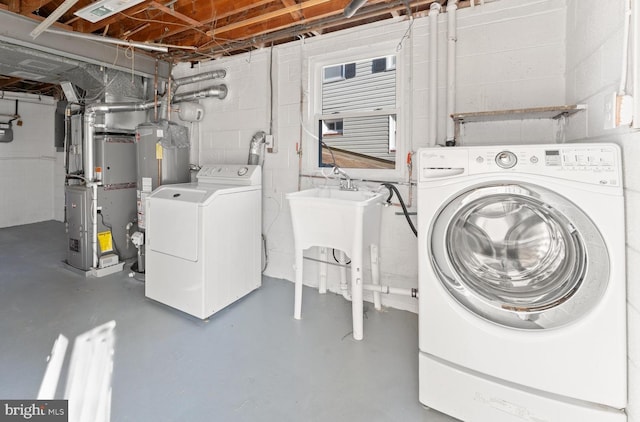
519	255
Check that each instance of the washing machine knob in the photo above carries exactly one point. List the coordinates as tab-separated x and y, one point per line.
242	171
506	159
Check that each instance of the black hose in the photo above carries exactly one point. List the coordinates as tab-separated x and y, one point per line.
393	189
338	261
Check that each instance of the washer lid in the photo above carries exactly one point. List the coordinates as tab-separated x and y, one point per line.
519	255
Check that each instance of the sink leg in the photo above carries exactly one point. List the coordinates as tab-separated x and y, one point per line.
297	306
357	304
322	285
375	275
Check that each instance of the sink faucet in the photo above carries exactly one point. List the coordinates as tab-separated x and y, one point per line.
347	183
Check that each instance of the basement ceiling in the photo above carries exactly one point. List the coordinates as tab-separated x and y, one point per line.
194	30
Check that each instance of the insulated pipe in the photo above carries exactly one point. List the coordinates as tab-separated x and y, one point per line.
452	36
219	91
214	74
353	7
433	73
391	290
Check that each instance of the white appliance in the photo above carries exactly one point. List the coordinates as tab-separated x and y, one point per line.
203	241
522	313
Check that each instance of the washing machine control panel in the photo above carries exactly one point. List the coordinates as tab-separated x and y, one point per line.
590	163
230	174
506	159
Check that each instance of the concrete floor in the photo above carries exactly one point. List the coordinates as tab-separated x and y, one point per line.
249	362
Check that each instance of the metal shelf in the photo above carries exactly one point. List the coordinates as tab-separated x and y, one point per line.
554	112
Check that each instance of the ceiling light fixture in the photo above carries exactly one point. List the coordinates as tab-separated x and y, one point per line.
104	8
52	18
353	7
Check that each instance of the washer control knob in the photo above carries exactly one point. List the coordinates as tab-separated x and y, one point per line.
506	159
242	171
479	160
534	160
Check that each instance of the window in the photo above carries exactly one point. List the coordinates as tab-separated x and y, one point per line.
331	127
339	72
358	114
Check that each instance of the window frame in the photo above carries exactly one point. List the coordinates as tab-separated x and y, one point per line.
314	115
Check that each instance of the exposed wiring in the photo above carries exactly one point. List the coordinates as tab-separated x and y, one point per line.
404	207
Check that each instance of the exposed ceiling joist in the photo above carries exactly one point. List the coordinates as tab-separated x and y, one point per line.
212	28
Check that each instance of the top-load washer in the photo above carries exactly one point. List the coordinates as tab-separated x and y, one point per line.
203	242
522	313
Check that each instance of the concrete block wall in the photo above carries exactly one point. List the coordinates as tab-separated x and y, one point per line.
27	165
594	64
510	55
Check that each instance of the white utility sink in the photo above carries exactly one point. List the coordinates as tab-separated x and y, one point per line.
341	219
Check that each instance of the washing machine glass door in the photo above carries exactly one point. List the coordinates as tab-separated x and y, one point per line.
519	255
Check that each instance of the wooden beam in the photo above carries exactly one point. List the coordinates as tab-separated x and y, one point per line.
28	6
318	22
53	25
12	6
9	81
175	14
297	14
265	17
216	17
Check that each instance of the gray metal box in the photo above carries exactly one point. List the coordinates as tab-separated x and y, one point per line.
156	144
116	155
79	232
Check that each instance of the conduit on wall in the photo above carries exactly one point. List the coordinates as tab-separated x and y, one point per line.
452	36
433	74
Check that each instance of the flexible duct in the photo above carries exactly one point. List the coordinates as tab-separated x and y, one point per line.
256	148
433	73
452	36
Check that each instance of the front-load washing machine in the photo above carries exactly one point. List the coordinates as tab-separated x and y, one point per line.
203	242
522	313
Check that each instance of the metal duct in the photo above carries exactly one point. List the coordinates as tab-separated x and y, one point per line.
219	91
214	74
89	122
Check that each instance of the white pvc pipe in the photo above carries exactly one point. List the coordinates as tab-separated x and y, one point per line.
452	36
625	48
433	73
344	287
375	275
635	70
357	303
322	284
391	290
